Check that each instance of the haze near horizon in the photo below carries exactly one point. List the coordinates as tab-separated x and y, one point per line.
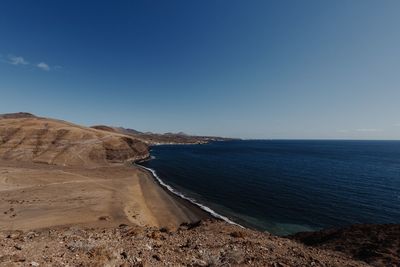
259	69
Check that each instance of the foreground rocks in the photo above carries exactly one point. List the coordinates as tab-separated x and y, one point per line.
379	245
210	243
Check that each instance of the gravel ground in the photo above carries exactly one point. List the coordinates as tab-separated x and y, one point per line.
209	243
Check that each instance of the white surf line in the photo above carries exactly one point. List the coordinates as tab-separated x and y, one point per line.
191	200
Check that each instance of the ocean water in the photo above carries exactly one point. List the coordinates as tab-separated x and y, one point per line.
285	187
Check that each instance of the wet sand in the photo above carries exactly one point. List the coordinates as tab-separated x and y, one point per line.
183	208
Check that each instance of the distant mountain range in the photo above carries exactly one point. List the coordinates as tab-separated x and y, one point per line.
166	138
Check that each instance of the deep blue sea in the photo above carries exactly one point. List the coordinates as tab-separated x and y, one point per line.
285	187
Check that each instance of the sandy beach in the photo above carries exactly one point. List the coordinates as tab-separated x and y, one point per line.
55	173
37	196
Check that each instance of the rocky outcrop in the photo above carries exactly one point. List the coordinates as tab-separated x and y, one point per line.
378	245
17	115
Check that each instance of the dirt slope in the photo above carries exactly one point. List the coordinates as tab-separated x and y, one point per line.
24	137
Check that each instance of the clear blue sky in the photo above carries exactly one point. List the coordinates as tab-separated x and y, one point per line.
251	69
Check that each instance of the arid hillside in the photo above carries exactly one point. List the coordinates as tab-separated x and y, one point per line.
24	137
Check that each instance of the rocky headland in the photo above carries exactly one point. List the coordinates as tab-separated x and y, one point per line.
70	196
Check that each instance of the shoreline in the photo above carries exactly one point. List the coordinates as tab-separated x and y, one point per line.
182	198
168	209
